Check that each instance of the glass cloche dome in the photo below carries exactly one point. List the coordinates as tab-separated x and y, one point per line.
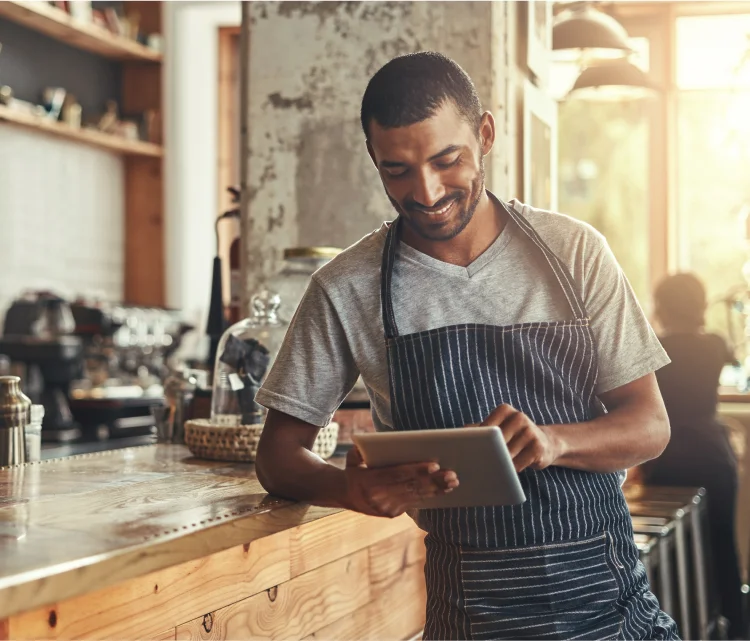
244	356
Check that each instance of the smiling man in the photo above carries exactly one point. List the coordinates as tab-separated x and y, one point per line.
469	310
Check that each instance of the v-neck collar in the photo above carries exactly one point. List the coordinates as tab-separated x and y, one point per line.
407	252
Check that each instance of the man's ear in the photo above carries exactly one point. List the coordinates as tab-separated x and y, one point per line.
486	132
372	154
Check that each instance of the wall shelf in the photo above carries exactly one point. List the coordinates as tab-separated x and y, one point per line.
57	24
144	280
117	144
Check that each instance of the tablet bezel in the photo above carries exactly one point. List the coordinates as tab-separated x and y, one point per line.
478	455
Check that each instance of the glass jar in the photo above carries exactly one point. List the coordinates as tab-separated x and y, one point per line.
291	282
244	356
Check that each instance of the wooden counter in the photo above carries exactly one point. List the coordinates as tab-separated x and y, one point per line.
733	395
150	543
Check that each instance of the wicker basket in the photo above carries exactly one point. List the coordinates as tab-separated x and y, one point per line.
240	443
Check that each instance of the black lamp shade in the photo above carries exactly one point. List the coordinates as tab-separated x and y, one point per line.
613	80
586	28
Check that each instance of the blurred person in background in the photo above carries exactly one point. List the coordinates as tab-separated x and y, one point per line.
699	453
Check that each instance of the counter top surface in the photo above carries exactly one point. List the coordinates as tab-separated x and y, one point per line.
70	526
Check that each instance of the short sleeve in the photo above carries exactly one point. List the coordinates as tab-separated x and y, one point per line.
314	370
627	346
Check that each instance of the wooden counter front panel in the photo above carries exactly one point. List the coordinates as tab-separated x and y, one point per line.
291	610
146	607
332	578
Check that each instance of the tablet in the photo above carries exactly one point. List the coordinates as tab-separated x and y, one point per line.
478	455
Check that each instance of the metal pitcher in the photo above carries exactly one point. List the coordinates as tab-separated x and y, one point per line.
15	408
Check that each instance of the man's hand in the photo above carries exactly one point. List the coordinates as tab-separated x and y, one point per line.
390	491
529	444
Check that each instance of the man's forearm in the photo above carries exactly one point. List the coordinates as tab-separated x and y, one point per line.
624	438
303	476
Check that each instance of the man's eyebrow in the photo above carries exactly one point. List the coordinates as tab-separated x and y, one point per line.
391	163
443	152
448	150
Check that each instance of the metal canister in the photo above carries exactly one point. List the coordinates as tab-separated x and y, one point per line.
179	390
15	408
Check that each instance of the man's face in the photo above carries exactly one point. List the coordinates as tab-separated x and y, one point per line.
432	171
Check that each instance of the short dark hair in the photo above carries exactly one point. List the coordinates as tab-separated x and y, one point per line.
681	298
412	87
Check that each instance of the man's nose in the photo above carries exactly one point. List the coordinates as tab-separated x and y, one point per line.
428	189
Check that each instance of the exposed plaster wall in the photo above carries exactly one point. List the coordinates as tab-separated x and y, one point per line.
308	179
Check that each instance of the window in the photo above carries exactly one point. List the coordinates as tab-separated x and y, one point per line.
604	168
605	164
713	156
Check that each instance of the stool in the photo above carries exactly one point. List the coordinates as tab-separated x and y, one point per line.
648	553
672	512
664	532
687	506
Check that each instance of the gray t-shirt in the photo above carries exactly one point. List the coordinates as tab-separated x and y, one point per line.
337	331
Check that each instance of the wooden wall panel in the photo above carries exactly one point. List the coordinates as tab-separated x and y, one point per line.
141	87
149	14
228	142
145	264
144	232
229	88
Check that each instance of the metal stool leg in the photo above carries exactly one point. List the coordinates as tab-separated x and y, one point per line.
665	577
649	571
683	581
648	555
699	560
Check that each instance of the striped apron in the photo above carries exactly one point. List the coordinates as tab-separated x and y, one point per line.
562	565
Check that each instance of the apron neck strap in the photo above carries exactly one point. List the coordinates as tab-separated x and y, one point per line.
386	278
559	269
389	258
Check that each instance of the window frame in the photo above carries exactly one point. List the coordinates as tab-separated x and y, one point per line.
657	21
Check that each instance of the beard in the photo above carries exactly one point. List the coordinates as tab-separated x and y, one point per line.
466	205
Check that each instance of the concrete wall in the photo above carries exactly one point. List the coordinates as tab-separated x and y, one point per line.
308	179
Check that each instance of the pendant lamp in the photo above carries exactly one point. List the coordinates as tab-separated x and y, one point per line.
613	80
582	28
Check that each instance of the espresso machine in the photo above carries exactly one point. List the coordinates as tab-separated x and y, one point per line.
96	367
126	349
39	339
